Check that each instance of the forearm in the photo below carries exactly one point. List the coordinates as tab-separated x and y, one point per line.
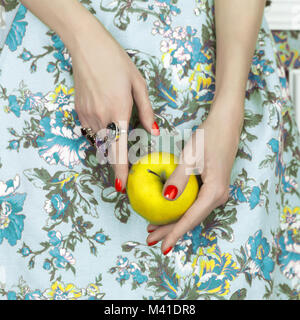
68	18
237	26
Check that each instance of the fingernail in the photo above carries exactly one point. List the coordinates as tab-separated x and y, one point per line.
150	231
118	185
124	190
171	192
167	251
152	243
155	128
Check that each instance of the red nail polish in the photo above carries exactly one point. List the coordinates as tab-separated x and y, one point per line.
155	128
171	192
124	190
118	185
150	231
167	251
152	243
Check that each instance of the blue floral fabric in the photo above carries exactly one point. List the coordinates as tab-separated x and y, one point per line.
65	233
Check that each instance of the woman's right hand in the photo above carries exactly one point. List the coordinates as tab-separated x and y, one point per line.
106	82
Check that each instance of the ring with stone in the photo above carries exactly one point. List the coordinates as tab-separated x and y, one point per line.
112	134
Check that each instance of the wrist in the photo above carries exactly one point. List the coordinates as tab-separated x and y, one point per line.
80	28
232	98
229	109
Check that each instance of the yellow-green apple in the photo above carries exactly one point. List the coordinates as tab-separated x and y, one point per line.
145	184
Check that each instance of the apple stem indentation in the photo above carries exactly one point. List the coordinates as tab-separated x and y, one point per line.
161	177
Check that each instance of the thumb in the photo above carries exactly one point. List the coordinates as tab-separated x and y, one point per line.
146	115
176	183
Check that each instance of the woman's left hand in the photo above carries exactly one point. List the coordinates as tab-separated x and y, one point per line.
222	129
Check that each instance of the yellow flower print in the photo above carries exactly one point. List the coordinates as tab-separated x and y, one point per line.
290	219
93	290
61	90
65	181
200	79
214	274
59	291
61	98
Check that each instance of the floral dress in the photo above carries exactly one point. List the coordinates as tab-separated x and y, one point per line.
65	233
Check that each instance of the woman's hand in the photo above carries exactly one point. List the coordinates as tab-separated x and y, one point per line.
222	129
106	82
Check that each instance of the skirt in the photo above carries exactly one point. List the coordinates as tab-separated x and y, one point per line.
65	233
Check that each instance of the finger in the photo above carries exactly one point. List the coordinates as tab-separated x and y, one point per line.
118	157
82	119
95	118
176	183
190	162
94	124
145	110
152	227
200	209
159	233
86	119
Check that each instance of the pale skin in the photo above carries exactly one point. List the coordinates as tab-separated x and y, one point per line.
106	66
105	79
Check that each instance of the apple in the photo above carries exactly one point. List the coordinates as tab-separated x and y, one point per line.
145	183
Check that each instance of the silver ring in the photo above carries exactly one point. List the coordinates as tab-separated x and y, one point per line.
112	134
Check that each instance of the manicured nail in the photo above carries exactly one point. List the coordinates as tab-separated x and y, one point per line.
152	243
150	231
155	128
118	185
124	190
167	251
171	192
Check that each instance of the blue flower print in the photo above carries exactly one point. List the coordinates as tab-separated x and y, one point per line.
11	295
26	55
14	145
138	276
51	67
289	257
61	143
14	105
100	237
198	240
254	198
215	274
62	257
65	59
170	284
123	275
57	43
61	54
258	250
11	223
25	251
259	67
287	183
57	206
47	265
35	295
236	192
18	29
55	238
169	94
174	10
